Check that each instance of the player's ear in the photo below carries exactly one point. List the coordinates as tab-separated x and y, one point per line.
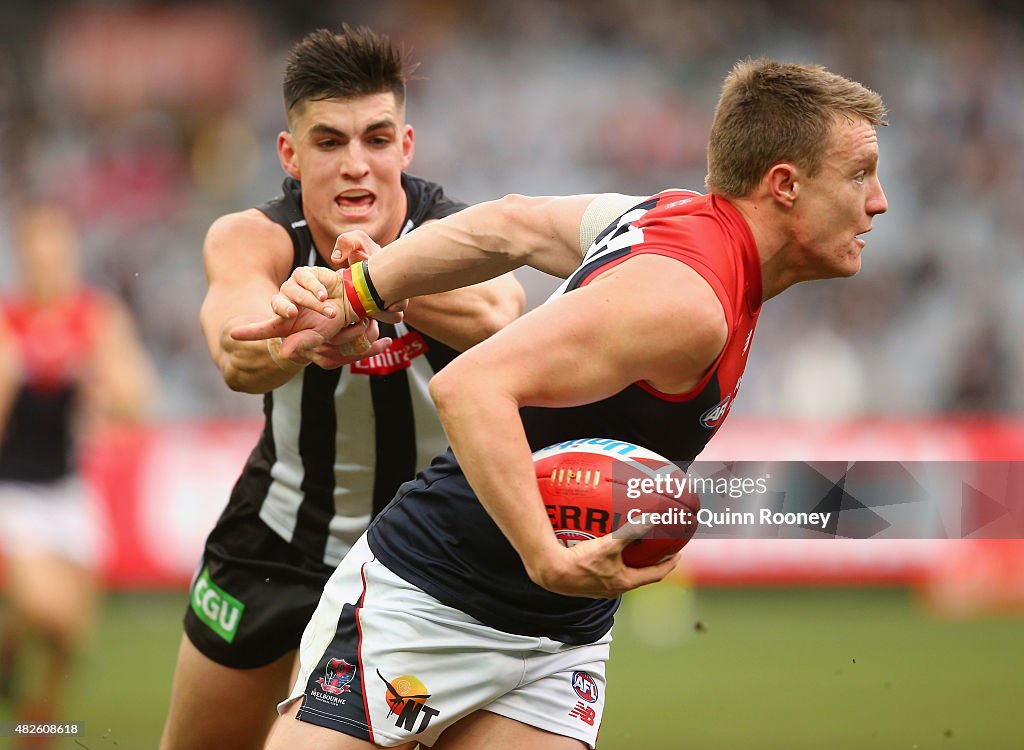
286	154
408	141
783	183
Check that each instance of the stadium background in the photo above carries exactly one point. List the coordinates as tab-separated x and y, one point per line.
151	119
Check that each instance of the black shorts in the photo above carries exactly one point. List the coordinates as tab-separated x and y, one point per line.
253	594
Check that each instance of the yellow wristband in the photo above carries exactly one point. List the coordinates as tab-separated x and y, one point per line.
361	282
274	347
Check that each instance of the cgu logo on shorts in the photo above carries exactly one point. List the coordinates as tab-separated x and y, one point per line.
217	608
398	356
407	697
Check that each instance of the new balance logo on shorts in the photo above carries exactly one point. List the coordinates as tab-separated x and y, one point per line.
584	713
220	611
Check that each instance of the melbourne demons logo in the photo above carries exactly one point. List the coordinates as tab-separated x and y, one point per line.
398	356
337	675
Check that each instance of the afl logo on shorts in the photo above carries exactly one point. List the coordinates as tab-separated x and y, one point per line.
585	686
716	413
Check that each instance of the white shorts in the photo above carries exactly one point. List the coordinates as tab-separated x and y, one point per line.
59	519
383	661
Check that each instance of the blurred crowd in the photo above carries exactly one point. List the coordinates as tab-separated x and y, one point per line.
151	119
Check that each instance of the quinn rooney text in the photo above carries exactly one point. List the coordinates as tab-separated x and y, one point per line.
710	518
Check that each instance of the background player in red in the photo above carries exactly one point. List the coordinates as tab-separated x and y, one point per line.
70	360
645	343
340	435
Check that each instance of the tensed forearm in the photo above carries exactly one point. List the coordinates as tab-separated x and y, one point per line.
464	249
495	456
480	243
250	366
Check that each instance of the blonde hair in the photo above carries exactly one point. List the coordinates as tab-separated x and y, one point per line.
770	112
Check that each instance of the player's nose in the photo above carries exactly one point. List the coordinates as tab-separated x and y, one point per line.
877	203
355	165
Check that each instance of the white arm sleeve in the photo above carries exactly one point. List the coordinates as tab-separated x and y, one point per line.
601	212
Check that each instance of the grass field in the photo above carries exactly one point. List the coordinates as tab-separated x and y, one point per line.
824	669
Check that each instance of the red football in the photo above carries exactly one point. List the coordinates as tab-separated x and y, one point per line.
594	486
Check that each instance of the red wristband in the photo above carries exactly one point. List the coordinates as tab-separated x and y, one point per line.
352	295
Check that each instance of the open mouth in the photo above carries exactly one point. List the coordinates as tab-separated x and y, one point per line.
859	239
355	202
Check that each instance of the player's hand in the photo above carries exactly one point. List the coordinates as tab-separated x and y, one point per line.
594	569
309	310
355	247
303	305
343	349
322	290
313	288
302	333
354	342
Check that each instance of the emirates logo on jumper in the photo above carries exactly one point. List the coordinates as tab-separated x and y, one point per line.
398	356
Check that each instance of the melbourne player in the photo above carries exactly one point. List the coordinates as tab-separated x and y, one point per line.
459	621
70	361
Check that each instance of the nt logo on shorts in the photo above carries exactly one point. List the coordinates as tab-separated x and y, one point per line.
216	607
407	697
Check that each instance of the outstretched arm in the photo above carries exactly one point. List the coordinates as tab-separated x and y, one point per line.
550	234
479	243
247	256
464	317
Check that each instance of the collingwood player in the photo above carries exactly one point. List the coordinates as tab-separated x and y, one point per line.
340	435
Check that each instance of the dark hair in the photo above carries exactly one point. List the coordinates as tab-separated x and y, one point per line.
770	112
354	62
